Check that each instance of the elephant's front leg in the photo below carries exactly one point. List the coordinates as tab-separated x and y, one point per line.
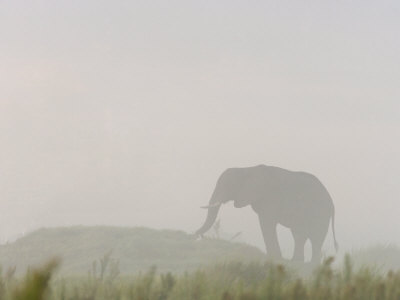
268	229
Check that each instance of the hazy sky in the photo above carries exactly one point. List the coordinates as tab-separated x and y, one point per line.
126	112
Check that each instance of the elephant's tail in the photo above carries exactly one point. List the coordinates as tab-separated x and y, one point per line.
333	230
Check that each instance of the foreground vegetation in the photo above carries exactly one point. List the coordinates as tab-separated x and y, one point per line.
235	280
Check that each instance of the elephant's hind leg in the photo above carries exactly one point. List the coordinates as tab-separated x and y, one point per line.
299	242
316	244
317	237
268	229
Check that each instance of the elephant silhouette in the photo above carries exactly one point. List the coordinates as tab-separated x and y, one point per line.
296	200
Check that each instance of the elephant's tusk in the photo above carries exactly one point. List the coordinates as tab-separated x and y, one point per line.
212	205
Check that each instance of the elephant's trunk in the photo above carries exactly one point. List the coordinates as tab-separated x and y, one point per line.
211	217
213	208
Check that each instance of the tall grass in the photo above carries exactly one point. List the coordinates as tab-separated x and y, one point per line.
228	281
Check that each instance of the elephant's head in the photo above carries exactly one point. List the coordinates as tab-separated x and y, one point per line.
230	186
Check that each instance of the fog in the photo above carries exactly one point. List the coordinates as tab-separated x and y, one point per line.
126	112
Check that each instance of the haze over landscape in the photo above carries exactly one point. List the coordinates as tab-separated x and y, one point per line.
126	113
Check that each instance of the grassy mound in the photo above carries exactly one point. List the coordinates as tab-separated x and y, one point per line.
135	249
380	257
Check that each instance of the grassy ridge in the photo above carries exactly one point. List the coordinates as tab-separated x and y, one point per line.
382	258
136	249
241	273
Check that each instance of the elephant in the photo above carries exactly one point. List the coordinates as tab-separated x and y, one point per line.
296	200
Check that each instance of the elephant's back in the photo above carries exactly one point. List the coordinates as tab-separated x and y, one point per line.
283	183
297	192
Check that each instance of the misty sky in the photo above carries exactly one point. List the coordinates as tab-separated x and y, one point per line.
126	112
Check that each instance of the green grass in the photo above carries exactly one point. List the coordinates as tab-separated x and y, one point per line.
226	281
